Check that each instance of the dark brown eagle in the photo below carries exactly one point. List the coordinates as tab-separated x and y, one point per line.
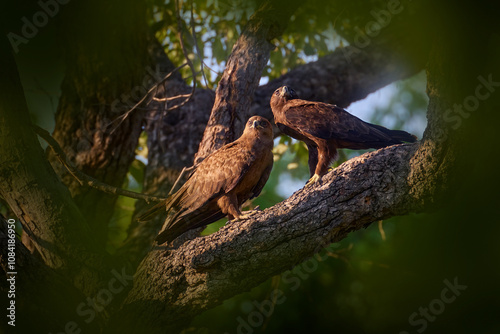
220	184
324	128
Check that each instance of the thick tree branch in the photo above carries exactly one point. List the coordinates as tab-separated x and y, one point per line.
204	271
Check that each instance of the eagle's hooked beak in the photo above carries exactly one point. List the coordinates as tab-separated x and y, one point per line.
284	91
287	92
256	124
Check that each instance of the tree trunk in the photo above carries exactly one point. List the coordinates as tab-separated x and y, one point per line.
95	92
28	184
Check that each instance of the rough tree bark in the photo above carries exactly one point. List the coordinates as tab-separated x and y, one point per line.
95	91
30	186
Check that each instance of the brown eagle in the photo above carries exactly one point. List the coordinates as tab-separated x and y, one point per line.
220	184
324	128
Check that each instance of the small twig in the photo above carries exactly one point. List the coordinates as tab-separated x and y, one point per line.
185	169
188	62
83	178
122	118
184	51
211	69
166	99
193	32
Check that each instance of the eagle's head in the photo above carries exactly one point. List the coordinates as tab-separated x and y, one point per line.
281	96
285	92
260	127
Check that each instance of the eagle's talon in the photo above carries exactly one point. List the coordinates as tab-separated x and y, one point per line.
313	179
246	214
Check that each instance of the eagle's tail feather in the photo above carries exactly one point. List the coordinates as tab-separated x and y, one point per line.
185	223
169	234
397	136
403	136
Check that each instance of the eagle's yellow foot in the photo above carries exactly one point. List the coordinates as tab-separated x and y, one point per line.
313	179
244	215
247	214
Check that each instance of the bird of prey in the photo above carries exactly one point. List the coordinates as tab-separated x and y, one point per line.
324	128
220	184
